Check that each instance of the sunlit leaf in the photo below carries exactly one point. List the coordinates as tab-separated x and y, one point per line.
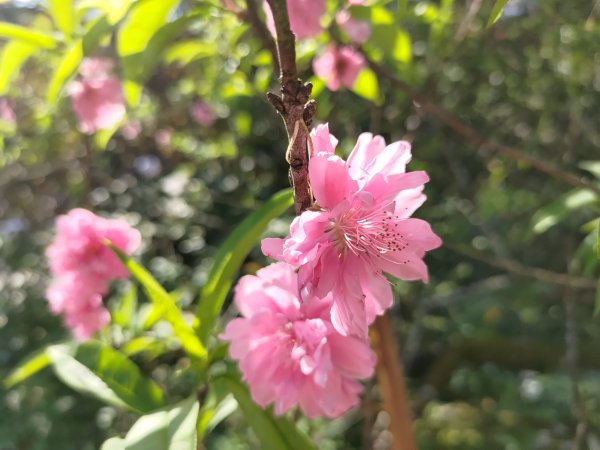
496	11
14	54
66	69
402	48
63	13
96	30
550	215
171	428
115	9
27	35
184	52
591	166
367	86
105	373
274	433
123	313
230	257
169	310
27	368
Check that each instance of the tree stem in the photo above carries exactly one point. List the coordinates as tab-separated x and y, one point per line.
392	384
293	105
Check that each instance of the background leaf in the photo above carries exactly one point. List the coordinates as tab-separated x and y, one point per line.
230	257
14	54
27	368
63	13
496	11
36	38
172	428
105	373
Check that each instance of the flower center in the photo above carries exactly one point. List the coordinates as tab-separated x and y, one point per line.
361	232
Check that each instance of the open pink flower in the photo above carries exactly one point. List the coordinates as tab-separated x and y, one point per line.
357	30
84	266
360	229
97	97
305	17
288	350
339	66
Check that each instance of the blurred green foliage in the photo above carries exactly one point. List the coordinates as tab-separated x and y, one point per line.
498	357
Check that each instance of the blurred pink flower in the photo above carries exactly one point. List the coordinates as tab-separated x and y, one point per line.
7	112
83	267
305	17
338	66
360	230
202	113
163	137
131	129
79	247
97	97
357	30
288	351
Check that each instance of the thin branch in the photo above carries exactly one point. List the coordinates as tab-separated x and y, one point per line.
390	377
293	106
517	268
473	136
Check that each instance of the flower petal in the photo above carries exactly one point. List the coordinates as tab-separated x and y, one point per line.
329	180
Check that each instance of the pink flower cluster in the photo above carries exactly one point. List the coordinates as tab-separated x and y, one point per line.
302	339
339	66
83	267
97	97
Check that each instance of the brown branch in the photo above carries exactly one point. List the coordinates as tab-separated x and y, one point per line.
293	106
473	136
390	377
517	268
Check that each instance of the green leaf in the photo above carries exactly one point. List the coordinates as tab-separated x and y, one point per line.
210	418
66	69
26	35
496	12
96	30
230	257
143	21
184	52
591	166
14	54
274	433
105	373
169	310
367	86
550	215
172	428
27	368
403	47
115	9
63	13
124	312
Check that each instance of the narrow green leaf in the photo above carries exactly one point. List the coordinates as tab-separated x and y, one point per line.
274	433
115	9
171	428
367	86
27	35
67	68
105	373
14	54
27	368
124	312
550	215
496	12
169	310
230	257
210	419
96	30
63	13
403	47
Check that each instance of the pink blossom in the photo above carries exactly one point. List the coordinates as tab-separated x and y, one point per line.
288	350
357	30
97	97
163	137
361	228
202	113
305	17
83	266
7	112
339	66
79	245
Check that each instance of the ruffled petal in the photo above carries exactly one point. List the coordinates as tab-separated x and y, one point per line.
329	180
